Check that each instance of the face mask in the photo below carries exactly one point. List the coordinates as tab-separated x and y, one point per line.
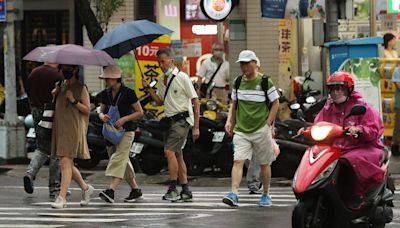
218	54
169	71
340	100
338	96
68	74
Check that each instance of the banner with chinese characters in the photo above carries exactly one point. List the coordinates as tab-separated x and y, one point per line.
147	60
287	52
287	57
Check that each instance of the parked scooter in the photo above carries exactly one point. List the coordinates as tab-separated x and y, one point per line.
212	150
214	147
147	150
292	147
321	185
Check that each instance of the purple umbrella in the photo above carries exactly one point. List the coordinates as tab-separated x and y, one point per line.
70	54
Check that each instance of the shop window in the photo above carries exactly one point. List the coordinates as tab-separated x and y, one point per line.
237	30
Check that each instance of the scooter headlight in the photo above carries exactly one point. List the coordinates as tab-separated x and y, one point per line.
326	173
211	105
320	133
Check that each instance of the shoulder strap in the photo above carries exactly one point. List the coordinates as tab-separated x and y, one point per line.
236	87
264	86
215	73
169	84
121	94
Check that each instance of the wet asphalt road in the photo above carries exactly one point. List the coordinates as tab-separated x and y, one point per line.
18	209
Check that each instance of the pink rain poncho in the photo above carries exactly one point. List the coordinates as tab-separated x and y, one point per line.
363	153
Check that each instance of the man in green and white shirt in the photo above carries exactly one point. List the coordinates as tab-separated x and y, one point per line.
250	122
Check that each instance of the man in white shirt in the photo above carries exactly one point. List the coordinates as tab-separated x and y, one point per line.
218	66
177	94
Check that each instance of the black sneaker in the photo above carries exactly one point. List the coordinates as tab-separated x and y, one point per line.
136	194
171	195
107	195
186	196
28	185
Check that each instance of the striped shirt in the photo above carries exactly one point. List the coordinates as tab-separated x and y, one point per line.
252	111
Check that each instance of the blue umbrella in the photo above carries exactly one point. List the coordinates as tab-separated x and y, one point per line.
130	35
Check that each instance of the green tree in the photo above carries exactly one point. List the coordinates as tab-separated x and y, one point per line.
96	22
105	9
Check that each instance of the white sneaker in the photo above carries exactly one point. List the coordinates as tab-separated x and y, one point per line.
59	203
86	195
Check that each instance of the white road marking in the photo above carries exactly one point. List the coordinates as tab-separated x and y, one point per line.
79	220
193	204
30	226
155	209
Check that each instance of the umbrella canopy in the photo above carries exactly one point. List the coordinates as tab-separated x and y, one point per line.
130	35
70	54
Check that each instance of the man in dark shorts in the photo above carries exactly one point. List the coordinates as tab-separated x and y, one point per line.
179	112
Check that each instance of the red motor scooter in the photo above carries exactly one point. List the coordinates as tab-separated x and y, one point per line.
322	185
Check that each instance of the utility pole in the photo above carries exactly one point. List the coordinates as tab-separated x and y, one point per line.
332	16
372	17
220	32
11	116
12	132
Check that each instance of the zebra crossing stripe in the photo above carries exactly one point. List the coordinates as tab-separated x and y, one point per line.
81	220
29	226
103	214
219	195
170	204
155	209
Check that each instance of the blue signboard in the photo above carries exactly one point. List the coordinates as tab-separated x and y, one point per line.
3	11
273	8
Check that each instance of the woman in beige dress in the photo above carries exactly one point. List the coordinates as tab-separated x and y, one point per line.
70	124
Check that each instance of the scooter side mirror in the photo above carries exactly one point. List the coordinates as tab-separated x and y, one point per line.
357	110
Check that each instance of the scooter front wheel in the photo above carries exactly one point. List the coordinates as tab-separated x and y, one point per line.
306	214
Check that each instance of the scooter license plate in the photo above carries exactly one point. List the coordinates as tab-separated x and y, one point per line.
136	149
218	136
31	133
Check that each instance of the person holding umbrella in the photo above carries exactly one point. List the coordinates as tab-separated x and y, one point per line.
70	125
177	94
124	99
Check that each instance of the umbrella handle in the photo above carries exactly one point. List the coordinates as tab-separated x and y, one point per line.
140	69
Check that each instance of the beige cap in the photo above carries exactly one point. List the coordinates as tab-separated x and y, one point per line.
111	72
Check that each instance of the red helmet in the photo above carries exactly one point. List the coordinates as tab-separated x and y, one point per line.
341	78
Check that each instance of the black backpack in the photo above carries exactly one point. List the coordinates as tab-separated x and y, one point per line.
264	87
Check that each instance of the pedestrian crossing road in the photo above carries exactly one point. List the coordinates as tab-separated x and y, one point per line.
206	210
